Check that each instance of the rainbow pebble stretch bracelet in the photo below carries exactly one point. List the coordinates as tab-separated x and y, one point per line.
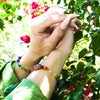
36	67
19	65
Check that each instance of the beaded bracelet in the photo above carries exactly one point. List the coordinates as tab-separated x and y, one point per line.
19	65
36	67
39	66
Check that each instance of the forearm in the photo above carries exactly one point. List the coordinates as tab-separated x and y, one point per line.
55	61
45	81
57	57
27	61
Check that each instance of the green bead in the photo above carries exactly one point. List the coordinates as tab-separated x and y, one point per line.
22	68
19	64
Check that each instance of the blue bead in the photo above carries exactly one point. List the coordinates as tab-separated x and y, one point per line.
19	57
18	60
19	64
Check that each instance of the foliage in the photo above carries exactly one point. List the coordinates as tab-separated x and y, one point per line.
80	77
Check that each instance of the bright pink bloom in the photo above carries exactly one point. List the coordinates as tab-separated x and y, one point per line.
70	88
92	21
26	11
94	26
33	16
25	39
4	0
88	91
86	97
91	83
34	5
46	8
82	58
65	91
87	1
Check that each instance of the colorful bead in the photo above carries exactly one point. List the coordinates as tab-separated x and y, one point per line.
19	57
19	64
18	60
45	68
39	66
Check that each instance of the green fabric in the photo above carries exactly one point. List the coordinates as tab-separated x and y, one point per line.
26	90
7	76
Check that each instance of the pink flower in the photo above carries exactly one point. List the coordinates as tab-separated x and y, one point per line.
82	58
65	91
25	39
94	26
87	1
92	21
70	88
26	11
46	8
88	91
91	83
34	5
33	16
4	0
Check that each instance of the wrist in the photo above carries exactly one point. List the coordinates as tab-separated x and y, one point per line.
30	59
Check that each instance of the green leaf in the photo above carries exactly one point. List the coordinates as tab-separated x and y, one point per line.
96	44
25	4
69	63
75	94
80	66
97	17
58	2
97	78
78	35
80	5
19	17
64	74
13	8
1	24
82	53
89	63
65	1
6	7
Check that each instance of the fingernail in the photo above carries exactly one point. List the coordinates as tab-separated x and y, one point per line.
76	27
65	23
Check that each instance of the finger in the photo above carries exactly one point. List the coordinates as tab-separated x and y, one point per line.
52	28
59	31
66	44
76	24
50	20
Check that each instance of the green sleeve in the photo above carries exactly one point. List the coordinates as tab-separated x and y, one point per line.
7	76
26	90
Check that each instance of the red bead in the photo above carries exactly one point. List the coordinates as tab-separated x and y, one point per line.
32	69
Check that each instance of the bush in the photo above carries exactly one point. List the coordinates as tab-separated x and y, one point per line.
79	79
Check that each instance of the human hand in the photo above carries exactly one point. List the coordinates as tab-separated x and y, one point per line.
58	56
43	38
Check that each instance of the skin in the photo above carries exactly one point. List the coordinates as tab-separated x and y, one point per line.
51	37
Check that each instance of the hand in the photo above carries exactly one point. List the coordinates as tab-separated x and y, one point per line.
55	60
43	38
58	56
